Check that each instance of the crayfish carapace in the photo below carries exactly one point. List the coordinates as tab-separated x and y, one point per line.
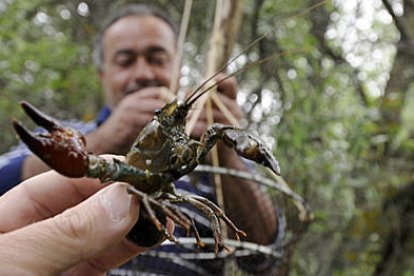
161	154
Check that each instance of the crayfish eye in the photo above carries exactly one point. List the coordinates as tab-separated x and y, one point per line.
157	111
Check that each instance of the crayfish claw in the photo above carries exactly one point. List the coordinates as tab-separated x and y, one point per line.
246	145
33	142
39	117
63	149
252	148
260	154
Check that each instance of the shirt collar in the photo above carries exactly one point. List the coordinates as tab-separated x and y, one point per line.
103	115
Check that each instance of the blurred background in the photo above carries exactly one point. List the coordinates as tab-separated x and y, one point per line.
336	104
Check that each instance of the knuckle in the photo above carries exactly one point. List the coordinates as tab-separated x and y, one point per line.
98	265
73	226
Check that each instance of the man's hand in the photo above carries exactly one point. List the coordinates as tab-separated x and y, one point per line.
135	110
128	118
51	224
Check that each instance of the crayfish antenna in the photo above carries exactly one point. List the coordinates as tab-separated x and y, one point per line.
221	69
190	100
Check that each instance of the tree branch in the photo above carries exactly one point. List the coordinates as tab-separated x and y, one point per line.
397	21
304	209
240	249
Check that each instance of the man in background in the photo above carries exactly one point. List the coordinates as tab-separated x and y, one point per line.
135	55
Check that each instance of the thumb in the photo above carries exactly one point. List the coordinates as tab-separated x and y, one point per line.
79	233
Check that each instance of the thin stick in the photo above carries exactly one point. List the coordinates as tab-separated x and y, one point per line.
214	84
305	213
180	44
222	68
308	9
211	66
244	68
225	110
244	248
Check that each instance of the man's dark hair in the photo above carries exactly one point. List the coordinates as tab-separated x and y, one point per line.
128	10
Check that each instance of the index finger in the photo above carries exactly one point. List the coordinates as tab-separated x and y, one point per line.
228	87
41	197
154	92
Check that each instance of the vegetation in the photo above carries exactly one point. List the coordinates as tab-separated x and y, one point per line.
335	103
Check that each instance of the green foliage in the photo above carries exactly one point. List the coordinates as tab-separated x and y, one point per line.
37	62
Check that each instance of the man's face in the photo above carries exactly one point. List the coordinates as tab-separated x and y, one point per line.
139	51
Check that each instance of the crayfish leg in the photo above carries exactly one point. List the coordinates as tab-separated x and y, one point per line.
219	213
163	210
214	213
200	243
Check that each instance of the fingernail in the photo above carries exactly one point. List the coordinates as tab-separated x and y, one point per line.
116	201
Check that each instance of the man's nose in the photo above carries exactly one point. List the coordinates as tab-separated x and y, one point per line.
143	69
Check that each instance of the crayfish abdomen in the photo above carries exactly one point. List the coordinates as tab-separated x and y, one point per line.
162	149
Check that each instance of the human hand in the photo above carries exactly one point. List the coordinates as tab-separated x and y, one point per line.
117	134
52	224
227	93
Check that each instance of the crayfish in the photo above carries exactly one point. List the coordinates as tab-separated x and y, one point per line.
161	154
